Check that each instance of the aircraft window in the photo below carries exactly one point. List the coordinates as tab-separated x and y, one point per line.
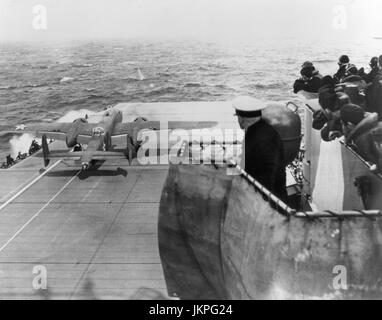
98	131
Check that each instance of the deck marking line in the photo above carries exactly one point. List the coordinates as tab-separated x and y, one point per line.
91	190
17	188
37	213
90	262
28	186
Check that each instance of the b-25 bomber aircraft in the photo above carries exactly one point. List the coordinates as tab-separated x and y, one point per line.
99	137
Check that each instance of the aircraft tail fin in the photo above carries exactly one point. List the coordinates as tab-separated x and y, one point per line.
45	150
129	149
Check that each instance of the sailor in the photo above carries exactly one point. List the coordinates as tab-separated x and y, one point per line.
310	80
333	128
373	95
379	76
33	147
307	64
10	160
326	94
310	64
35	144
345	69
263	150
375	68
363	130
356	121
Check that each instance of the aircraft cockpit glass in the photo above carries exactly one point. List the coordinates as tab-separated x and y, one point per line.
83	120
98	131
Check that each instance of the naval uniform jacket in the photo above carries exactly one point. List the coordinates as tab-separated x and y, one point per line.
312	85
374	96
264	158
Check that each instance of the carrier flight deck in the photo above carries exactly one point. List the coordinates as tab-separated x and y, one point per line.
94	232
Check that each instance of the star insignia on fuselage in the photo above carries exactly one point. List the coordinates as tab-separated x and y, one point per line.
20	127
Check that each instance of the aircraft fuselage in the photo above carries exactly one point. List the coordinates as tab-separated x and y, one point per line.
100	137
104	129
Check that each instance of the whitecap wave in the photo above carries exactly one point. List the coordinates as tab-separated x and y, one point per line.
140	75
66	79
7	87
83	65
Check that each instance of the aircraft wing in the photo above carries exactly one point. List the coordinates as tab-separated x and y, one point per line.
57	130
189	125
133	128
41	128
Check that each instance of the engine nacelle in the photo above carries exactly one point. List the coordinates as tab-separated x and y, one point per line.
71	135
71	140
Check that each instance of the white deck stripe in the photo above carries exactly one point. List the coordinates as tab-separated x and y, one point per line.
91	190
37	213
17	188
28	186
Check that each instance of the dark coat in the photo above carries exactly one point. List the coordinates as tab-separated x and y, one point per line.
265	159
312	85
327	97
374	96
320	119
369	77
345	71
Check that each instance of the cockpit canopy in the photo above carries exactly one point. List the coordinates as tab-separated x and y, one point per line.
83	120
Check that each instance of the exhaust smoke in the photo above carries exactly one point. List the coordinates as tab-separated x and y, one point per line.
21	143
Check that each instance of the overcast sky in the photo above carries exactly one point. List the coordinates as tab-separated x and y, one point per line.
200	19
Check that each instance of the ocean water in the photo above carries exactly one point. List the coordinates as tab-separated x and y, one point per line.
44	82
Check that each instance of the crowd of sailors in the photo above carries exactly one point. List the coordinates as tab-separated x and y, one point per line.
10	161
351	105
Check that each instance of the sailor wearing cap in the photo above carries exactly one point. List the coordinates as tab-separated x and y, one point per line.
263	156
345	69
